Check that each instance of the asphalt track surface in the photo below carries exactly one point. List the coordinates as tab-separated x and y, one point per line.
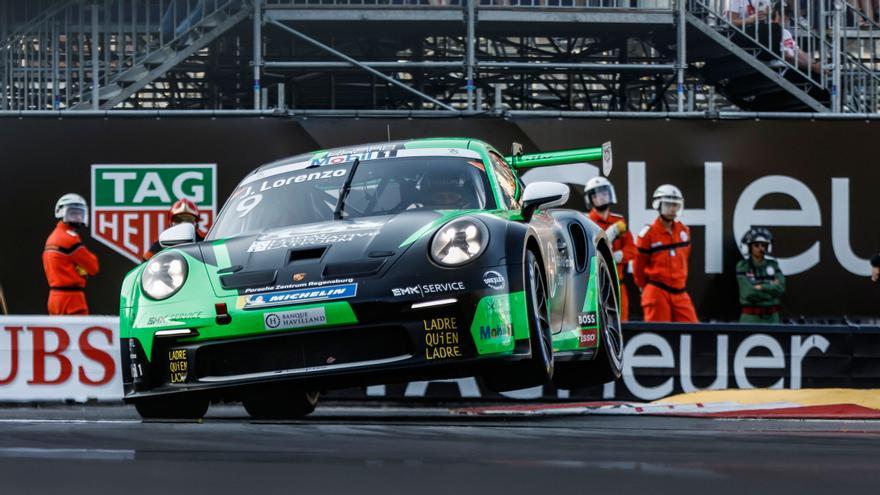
382	450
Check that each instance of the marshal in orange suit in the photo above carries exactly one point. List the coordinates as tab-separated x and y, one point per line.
599	195
67	261
661	266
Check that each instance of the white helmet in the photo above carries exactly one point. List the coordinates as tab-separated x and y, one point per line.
597	185
667	193
72	208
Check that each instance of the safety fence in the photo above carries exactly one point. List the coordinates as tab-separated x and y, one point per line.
565	4
77	359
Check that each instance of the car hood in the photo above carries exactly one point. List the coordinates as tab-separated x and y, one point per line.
315	254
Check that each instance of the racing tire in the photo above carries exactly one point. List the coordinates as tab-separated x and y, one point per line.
287	404
607	365
538	369
172	407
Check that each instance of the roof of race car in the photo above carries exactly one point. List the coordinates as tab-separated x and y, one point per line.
371	151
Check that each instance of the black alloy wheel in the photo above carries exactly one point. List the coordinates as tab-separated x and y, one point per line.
279	404
609	319
538	368
172	407
541	337
607	364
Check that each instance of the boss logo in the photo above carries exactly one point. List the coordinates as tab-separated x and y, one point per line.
587	319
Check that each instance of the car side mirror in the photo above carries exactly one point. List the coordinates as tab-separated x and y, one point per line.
182	233
543	194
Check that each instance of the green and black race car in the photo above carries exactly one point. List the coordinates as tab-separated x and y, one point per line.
380	263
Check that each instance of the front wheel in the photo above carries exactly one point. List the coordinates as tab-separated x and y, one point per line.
280	404
538	369
608	363
172	407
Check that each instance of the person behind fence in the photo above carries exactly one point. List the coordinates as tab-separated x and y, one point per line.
791	52
761	282
661	266
599	195
68	263
182	211
754	17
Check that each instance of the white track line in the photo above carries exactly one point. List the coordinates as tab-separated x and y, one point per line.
86	454
70	421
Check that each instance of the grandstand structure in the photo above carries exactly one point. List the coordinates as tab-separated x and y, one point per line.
431	57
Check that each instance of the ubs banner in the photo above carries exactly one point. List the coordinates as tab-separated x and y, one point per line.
812	183
59	358
77	358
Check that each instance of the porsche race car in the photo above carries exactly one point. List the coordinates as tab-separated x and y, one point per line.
388	262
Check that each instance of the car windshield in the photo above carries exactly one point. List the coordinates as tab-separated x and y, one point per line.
291	195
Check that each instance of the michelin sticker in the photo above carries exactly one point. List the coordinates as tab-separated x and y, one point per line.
300	296
295	319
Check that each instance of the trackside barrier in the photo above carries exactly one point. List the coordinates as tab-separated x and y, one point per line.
46	358
58	358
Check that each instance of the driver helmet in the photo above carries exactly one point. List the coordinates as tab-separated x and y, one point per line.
444	189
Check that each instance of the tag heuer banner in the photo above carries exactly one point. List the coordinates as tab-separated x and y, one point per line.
130	203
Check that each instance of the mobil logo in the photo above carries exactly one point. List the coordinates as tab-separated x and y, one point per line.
130	202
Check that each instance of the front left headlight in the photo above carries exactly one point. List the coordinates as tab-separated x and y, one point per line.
164	275
459	242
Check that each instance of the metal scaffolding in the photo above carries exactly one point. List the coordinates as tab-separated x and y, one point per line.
461	56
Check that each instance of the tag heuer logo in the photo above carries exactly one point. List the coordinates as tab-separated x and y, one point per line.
298	277
130	202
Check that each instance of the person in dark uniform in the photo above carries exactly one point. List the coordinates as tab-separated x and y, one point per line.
181	211
761	282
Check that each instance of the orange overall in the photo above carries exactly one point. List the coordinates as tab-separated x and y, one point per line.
624	243
67	263
661	270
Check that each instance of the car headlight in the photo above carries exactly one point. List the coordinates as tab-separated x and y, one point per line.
164	275
459	242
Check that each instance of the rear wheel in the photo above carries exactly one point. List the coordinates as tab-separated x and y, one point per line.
280	404
172	407
538	369
607	365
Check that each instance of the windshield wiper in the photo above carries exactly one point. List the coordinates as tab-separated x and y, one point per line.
343	193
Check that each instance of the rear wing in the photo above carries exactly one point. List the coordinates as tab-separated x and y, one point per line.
520	161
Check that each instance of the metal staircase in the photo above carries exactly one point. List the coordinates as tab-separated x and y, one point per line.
839	71
87	55
427	55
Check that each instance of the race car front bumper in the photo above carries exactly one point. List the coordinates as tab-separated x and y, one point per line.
396	339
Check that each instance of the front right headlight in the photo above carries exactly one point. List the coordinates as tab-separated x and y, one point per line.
164	275
459	242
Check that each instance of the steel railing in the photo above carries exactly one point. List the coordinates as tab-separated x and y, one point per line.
543	4
58	59
830	51
54	60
